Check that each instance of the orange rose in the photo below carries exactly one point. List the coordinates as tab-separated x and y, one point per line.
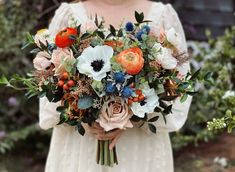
131	60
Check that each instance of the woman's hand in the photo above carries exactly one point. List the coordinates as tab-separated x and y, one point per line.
98	132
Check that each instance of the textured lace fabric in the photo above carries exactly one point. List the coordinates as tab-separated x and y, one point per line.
138	149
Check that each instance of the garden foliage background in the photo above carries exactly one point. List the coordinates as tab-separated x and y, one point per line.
19	131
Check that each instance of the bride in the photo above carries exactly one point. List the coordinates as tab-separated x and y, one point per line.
138	149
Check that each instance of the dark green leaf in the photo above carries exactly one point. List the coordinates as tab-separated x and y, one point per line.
154	119
79	29
72	37
139	17
120	33
60	109
108	36
100	34
157	109
135	118
112	30
195	75
192	93
168	109
152	128
85	36
63	118
96	21
81	129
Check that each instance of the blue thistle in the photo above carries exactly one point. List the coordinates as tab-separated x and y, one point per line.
110	88
139	35
129	27
119	77
127	92
146	29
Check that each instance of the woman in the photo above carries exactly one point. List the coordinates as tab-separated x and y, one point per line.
138	149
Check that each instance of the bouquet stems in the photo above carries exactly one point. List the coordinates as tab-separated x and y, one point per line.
105	156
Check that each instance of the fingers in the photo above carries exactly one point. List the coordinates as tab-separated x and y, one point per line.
115	140
95	129
97	126
110	135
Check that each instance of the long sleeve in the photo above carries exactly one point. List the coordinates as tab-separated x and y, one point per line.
48	116
176	119
179	114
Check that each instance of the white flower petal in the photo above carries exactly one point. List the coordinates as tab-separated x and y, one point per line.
173	37
89	55
151	103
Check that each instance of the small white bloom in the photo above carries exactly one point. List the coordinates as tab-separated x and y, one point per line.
165	58
42	36
148	105
228	94
173	37
95	62
157	47
222	161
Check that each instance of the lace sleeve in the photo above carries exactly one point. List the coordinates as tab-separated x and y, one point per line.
48	116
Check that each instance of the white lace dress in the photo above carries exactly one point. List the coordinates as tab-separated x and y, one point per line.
138	149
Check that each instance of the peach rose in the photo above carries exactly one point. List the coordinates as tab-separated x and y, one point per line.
159	33
41	61
60	57
115	114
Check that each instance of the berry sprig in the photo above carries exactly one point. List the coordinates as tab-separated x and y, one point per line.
65	82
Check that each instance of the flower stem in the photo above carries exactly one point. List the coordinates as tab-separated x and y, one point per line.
105	156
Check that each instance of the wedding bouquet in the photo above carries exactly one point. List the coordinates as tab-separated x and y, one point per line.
115	77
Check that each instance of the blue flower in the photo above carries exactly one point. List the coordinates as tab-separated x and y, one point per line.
110	88
129	27
146	29
119	77
139	35
127	92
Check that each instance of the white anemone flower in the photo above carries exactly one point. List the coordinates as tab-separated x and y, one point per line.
148	105
95	62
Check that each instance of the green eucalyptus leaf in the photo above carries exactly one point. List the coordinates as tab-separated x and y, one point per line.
184	98
85	102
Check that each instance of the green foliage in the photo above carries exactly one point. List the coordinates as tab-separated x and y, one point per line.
17	114
211	102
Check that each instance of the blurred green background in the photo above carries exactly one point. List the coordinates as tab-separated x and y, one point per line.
24	146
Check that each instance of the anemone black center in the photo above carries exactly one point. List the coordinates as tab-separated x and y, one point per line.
97	65
142	103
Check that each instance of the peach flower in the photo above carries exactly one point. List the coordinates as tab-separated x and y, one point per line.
88	26
159	33
41	61
115	114
61	57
